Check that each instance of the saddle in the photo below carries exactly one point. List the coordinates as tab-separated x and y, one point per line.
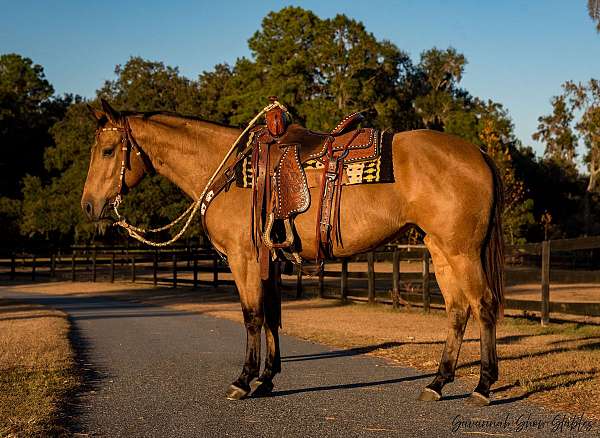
279	152
280	188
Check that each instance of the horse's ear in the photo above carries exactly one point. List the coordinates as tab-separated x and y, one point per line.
96	114
112	114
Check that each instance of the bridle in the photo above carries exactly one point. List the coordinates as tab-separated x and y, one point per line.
128	144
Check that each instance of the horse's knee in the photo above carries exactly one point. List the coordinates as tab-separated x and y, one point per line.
253	320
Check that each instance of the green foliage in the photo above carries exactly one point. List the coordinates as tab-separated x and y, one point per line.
575	116
556	132
52	209
594	11
442	71
320	68
143	85
27	111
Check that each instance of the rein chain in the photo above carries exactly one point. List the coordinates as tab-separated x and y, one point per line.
137	232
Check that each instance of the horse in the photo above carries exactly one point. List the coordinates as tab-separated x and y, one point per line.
446	186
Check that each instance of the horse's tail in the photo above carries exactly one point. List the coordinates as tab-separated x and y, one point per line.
492	251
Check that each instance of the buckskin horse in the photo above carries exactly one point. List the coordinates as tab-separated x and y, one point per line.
443	184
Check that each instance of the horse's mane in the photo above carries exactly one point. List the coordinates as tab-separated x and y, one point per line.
149	114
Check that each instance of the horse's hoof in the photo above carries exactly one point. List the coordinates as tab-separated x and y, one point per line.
236	393
429	394
262	389
477	399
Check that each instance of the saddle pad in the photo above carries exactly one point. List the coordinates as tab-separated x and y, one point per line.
378	169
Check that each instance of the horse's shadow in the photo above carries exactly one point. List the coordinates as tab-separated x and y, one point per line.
349	385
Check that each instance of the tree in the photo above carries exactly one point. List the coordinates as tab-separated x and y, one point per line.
594	11
585	98
27	111
320	68
496	136
442	71
575	117
556	132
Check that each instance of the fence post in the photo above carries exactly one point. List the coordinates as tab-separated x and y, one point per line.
174	270
215	270
52	265
112	267
133	269
426	297
33	268
195	255
344	280
322	280
371	276
13	266
299	281
545	282
94	261
73	261
155	268
396	278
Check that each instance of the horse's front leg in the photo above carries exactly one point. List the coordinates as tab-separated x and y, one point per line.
246	274
272	306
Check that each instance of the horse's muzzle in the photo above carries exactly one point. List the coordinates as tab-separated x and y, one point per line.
94	211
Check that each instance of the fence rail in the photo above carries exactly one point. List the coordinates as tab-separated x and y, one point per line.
174	265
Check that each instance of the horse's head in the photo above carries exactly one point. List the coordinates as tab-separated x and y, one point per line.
116	163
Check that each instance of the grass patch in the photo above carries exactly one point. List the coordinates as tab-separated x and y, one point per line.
36	370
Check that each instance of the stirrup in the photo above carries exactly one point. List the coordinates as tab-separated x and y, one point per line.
289	234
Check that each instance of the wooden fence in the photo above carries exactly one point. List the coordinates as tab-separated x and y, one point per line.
124	262
183	265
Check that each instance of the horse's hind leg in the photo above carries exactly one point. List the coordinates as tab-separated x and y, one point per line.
457	308
247	278
471	277
272	305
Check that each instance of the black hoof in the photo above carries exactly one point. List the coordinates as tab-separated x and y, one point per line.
429	394
234	392
477	399
262	389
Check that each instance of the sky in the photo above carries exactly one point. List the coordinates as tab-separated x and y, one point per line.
519	52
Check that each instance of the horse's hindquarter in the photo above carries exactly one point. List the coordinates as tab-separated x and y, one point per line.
447	185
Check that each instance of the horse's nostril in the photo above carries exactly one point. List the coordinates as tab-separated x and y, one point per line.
89	209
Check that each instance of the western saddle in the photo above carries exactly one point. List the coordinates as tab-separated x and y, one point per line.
280	190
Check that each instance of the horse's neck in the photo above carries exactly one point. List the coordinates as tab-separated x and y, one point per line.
185	151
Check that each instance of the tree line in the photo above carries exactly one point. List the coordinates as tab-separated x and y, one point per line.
321	69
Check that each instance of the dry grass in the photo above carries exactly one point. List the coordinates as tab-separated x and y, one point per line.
36	369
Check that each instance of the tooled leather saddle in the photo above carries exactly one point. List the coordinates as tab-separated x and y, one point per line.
279	150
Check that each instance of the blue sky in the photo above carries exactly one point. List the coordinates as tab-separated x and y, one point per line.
519	52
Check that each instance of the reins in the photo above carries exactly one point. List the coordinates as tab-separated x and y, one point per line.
128	144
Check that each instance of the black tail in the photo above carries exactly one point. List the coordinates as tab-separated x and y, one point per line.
492	251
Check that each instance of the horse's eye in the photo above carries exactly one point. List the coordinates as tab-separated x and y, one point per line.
108	152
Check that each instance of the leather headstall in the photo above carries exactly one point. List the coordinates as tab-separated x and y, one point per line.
128	144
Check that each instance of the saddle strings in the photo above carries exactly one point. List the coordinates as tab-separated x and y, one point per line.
137	232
